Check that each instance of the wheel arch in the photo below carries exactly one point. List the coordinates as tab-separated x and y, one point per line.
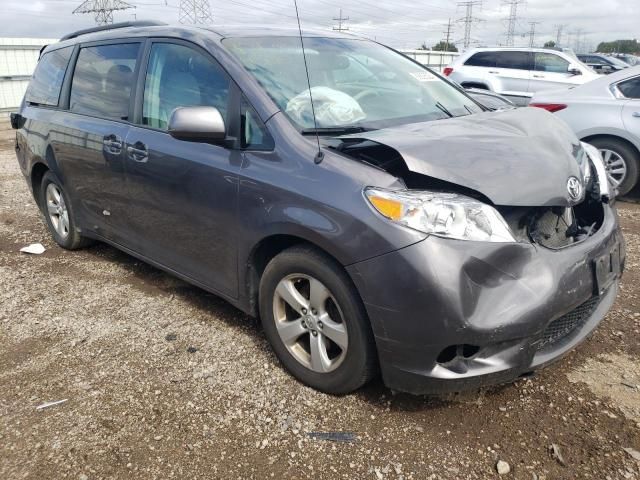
262	253
591	136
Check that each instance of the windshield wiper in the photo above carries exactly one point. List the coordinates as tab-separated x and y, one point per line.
444	110
339	130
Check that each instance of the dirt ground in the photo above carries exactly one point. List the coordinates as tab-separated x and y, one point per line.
163	380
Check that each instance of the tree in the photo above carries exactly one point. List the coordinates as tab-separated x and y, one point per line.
423	46
550	44
443	46
619	46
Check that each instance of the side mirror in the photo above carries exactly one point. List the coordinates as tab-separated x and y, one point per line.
197	124
573	69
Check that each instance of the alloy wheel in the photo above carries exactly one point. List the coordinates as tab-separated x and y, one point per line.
310	323
615	165
57	210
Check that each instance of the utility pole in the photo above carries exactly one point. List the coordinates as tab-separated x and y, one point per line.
513	18
340	20
468	19
532	33
447	35
195	12
102	9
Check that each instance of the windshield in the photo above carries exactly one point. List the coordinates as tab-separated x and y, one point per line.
354	83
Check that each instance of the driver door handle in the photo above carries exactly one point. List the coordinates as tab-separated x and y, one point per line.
138	152
636	114
538	76
494	72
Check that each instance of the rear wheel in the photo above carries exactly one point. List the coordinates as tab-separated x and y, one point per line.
59	214
621	161
315	321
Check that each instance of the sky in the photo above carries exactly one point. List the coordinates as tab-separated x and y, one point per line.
398	23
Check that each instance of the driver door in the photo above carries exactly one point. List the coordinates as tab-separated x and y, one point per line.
183	194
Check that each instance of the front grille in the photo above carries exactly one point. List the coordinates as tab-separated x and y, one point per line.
568	323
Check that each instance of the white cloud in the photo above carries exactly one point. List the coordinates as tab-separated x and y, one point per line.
402	23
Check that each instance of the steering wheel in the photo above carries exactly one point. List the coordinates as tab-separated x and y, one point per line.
366	93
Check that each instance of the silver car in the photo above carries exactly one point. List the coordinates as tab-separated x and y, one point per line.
518	73
606	114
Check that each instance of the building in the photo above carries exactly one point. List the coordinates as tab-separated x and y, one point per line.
18	59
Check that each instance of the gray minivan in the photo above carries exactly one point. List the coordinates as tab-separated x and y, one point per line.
374	216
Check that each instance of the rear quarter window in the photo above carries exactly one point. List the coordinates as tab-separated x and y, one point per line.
46	83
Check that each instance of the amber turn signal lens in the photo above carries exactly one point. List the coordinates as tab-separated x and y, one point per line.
391	209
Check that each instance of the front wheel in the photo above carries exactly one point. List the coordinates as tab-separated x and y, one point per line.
315	321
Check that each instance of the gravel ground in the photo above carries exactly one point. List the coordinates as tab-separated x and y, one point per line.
163	380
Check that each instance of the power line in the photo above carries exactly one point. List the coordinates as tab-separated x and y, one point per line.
468	19
341	19
532	33
512	20
195	12
102	9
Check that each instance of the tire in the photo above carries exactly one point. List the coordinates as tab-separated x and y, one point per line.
58	214
629	156
341	370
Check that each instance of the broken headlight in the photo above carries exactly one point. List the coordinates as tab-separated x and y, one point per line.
448	215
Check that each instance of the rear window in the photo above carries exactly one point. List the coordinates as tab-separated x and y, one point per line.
514	60
103	80
46	83
482	59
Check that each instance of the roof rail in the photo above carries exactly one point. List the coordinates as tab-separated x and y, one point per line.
113	26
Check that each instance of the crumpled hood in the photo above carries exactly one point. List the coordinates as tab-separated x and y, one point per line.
521	157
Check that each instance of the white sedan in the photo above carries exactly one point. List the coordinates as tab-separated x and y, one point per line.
605	113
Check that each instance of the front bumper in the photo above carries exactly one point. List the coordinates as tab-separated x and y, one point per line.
450	315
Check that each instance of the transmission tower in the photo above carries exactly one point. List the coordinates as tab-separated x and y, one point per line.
532	33
559	29
341	20
195	11
102	9
513	18
468	19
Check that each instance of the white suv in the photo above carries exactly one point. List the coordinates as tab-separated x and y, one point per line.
518	73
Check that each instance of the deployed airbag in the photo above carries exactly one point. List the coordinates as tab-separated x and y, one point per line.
332	108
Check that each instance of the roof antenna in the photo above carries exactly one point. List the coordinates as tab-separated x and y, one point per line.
320	155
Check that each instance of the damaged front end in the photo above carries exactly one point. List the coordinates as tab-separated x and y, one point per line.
547	188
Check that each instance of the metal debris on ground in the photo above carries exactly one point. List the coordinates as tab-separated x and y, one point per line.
50	404
555	453
345	437
34	248
633	453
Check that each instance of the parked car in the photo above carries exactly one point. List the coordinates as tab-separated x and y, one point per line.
631	60
391	224
602	63
606	114
518	73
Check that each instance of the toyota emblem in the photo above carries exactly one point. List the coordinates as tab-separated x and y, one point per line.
574	188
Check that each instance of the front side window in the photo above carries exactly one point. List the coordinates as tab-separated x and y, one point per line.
180	76
550	62
103	80
354	83
45	86
254	133
513	60
630	88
